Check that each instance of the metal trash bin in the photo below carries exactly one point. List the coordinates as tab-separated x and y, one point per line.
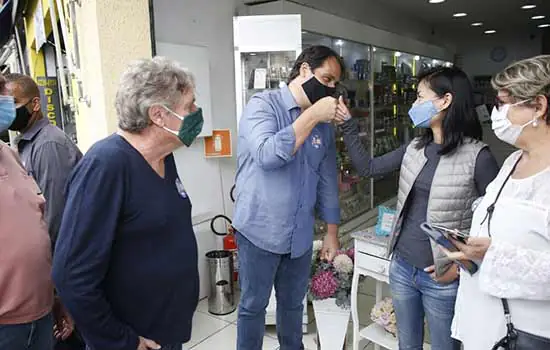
222	290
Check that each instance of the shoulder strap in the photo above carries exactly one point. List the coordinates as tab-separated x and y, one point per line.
490	209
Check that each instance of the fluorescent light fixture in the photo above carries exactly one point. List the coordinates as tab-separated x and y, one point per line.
546	25
397	54
339	43
538	17
252	54
417	58
460	14
477	24
436	1
373	49
491	31
304	32
528	7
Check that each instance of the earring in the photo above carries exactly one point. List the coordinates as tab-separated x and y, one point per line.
536	123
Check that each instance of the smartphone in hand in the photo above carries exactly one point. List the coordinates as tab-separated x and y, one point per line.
454	234
440	237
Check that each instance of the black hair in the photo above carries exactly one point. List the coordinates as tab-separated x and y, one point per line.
315	56
461	119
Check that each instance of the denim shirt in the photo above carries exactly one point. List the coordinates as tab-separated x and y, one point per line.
277	192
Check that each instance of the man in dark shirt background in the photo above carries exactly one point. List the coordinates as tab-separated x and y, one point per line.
49	155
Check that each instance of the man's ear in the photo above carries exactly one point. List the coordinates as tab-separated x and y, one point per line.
35	102
304	70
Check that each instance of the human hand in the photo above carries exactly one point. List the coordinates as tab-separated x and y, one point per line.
330	246
342	112
474	249
448	277
147	344
324	110
63	323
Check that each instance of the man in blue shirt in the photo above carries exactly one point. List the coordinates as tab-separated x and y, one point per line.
286	171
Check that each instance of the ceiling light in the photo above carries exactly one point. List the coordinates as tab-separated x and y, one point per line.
304	32
492	31
477	24
417	58
435	62
538	17
546	25
460	14
436	1
528	7
339	43
397	54
374	49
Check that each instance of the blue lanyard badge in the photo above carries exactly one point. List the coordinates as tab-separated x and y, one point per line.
180	188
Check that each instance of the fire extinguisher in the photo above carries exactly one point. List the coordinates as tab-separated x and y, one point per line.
229	239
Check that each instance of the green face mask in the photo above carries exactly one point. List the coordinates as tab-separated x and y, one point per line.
191	126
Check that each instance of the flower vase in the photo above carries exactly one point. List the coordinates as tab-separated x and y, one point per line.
332	323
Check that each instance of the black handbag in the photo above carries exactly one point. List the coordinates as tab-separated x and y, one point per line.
514	339
519	340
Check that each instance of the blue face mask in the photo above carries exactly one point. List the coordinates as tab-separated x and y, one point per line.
7	112
422	114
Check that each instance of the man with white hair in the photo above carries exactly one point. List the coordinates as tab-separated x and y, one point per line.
125	263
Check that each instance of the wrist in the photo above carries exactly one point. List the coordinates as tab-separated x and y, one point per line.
310	117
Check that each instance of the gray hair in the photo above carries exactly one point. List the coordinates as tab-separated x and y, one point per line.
525	79
145	83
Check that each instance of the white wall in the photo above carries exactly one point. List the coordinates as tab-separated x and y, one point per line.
207	23
476	52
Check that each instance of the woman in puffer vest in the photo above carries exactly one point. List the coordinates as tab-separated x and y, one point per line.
442	173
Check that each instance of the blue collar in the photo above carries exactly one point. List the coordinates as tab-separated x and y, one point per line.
288	99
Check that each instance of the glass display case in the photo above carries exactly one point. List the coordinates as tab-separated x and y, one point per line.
264	70
355	191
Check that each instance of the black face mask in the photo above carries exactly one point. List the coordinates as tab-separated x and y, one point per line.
315	90
22	118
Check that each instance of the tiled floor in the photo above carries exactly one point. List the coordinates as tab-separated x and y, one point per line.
220	332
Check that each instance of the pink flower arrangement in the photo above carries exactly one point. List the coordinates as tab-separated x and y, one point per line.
383	314
324	284
331	279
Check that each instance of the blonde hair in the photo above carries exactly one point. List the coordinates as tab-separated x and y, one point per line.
525	79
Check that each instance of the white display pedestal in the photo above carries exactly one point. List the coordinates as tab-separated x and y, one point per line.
271	313
371	261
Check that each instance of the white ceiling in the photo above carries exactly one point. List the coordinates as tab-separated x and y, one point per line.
500	15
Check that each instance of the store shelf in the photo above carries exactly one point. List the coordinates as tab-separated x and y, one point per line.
378	335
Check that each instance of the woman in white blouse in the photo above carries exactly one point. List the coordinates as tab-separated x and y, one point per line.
510	234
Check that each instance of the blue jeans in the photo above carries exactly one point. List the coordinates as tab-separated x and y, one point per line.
36	335
259	271
415	295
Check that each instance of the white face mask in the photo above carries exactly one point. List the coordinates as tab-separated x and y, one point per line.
503	127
